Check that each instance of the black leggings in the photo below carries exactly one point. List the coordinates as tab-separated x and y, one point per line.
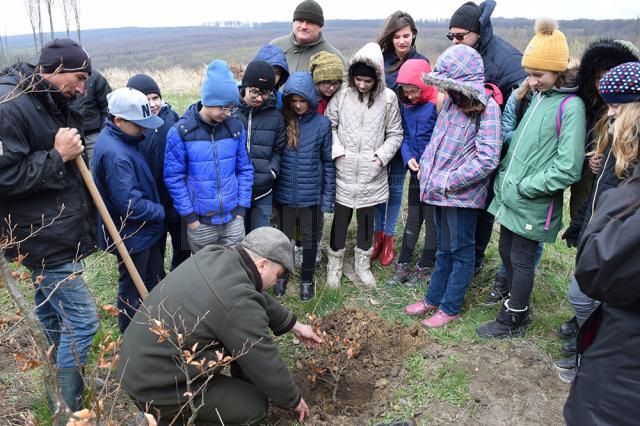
306	219
341	219
518	256
418	212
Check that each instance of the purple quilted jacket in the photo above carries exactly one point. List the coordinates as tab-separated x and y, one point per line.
456	166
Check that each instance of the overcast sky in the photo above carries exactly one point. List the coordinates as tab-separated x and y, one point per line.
147	13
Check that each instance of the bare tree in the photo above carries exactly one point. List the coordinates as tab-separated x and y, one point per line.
75	6
66	11
33	20
2	54
39	9
49	4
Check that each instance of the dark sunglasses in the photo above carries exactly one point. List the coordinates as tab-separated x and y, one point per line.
457	36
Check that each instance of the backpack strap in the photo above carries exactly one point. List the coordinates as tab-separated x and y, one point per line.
563	105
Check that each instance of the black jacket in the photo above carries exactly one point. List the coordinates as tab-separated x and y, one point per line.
606	388
502	61
36	186
93	106
266	138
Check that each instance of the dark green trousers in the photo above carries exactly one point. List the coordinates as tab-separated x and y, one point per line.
236	401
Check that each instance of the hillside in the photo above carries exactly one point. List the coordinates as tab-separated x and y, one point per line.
139	48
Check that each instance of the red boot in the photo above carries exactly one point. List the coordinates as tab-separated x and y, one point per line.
387	251
378	241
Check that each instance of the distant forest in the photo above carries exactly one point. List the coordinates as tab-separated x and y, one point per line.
157	48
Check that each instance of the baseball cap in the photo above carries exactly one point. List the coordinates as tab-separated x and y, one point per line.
132	105
271	244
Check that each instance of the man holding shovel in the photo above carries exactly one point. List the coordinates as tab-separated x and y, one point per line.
45	209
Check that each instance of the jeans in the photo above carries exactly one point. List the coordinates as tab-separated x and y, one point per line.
387	214
226	234
259	214
150	266
340	225
455	231
306	219
582	304
501	275
518	256
67	313
418	212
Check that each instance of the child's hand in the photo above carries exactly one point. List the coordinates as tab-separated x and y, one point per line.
377	162
413	165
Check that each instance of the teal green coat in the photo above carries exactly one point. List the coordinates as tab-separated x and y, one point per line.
539	166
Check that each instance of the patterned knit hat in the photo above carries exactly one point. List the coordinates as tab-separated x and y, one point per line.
548	49
621	85
326	66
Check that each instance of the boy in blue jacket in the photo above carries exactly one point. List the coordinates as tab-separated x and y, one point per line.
207	169
152	148
126	184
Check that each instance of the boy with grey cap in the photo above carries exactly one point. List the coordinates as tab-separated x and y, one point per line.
130	194
222	291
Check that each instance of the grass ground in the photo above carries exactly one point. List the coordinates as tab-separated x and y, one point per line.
448	383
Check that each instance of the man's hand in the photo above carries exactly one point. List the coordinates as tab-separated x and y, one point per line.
413	165
302	410
193	225
307	336
571	236
68	143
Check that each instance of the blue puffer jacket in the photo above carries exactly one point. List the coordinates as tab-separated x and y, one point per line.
206	168
152	148
277	58
502	61
307	176
127	186
266	138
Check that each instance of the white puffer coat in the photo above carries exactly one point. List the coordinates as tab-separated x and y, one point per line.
364	129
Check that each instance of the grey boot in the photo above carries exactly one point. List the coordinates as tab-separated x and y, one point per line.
334	267
363	267
70	385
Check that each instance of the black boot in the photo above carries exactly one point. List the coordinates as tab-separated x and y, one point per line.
509	323
569	328
570	347
307	290
400	276
498	294
281	285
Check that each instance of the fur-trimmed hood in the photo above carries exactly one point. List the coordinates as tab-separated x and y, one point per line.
370	54
459	68
601	56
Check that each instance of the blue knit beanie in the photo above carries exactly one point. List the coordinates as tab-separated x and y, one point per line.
219	87
621	84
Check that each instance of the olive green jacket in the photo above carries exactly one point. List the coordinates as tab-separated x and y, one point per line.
214	296
539	166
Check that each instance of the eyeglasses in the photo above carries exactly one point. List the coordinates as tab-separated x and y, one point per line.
254	93
410	93
229	109
330	84
457	36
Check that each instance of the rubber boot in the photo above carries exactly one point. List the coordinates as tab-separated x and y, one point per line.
307	291
509	323
387	250
363	267
70	385
378	242
334	267
281	285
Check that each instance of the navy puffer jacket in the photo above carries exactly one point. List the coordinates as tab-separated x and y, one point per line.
128	188
502	61
307	176
152	148
266	137
276	58
207	170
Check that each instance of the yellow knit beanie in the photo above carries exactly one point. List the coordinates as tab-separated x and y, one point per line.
326	66
548	49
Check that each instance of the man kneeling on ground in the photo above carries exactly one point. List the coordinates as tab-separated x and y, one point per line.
216	296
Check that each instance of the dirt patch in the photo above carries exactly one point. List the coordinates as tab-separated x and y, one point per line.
508	382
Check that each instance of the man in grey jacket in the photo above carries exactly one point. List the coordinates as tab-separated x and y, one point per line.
306	39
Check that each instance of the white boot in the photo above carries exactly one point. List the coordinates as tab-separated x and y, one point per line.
363	267
334	267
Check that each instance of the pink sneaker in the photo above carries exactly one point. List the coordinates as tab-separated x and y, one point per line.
439	319
419	308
